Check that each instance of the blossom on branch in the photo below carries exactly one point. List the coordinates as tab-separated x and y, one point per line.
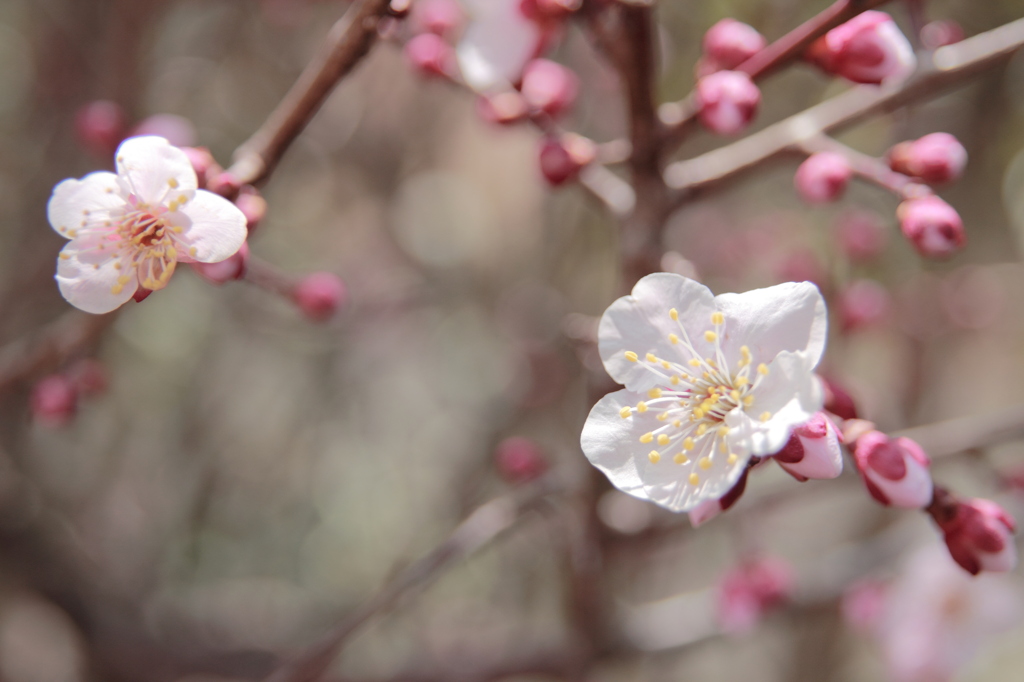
980	537
728	101
822	177
710	382
813	450
932	226
729	43
129	230
866	49
895	470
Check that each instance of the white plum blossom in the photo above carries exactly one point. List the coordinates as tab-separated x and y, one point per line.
710	382
498	42
130	229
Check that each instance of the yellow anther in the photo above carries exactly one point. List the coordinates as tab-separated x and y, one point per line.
72	233
741	381
631	356
192	251
706	376
688	444
680	459
762	369
674	314
677	423
674	380
64	256
704	463
625	411
722	431
173	183
116	289
694	362
177	229
712	399
654	456
654	393
651	357
711	362
673	338
117	265
647	437
723	448
732	458
735	395
641	407
694	479
748	401
662	416
710	336
123	279
663	439
172	252
698	413
664	364
765	416
702	429
745	351
717	319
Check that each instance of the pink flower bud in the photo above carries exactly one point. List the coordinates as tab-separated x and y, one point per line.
561	159
979	537
729	43
837	400
319	295
253	207
750	590
549	86
866	49
54	401
100	127
937	158
932	226
203	164
863	303
224	184
895	470
503	108
430	55
822	177
519	460
227	270
941	32
178	130
708	510
813	450
861	235
728	101
440	17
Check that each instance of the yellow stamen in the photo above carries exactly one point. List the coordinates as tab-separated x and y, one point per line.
717	318
173	183
674	380
723	431
710	336
651	357
704	463
694	362
762	369
748	401
702	429
625	411
654	393
673	338
688	444
641	407
765	416
654	456
647	437
732	458
694	479
663	416
674	314
680	459
663	439
631	356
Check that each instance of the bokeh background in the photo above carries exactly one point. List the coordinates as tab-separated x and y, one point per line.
249	477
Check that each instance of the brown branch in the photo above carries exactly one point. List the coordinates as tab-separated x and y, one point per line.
949	437
51	346
477	530
950	65
348	41
869	168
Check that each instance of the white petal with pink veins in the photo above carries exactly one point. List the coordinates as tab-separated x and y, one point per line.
212	225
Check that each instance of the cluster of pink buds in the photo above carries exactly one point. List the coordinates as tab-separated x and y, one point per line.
895	470
54	399
750	590
866	49
823	177
519	459
978	533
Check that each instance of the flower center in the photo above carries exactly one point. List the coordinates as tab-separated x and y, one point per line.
146	240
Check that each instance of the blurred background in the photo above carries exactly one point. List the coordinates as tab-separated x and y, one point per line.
247	477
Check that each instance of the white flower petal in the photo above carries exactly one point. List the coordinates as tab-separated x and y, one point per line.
606	440
497	44
641	323
212	225
76	204
90	280
785	317
155	171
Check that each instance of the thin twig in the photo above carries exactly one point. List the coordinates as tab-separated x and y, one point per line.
869	168
949	437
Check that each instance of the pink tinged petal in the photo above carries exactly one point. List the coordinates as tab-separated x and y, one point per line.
820	454
155	171
213	229
80	204
95	287
497	44
704	512
641	323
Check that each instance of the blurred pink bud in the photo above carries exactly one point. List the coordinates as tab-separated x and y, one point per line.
561	159
224	184
895	470
861	235
100	127
54	401
430	55
519	459
729	43
866	49
549	86
503	108
178	130
822	177
320	295
837	400
863	303
941	32
813	450
937	158
728	101
227	270
253	207
748	591
203	163
89	377
979	537
440	17
932	226
708	510
545	11
863	605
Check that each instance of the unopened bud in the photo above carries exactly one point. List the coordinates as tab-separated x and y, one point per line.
503	108
866	49
320	295
203	164
228	270
861	235
224	184
549	87
822	177
932	226
54	401
429	55
561	159
895	470
812	450
863	303
253	207
936	159
440	17
100	126
980	537
519	460
729	43
728	101
837	400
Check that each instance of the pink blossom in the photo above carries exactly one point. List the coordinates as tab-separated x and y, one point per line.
813	450
895	470
728	101
866	49
320	295
932	226
729	43
549	87
823	177
54	401
748	591
863	303
429	55
980	537
519	459
936	158
561	159
861	235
